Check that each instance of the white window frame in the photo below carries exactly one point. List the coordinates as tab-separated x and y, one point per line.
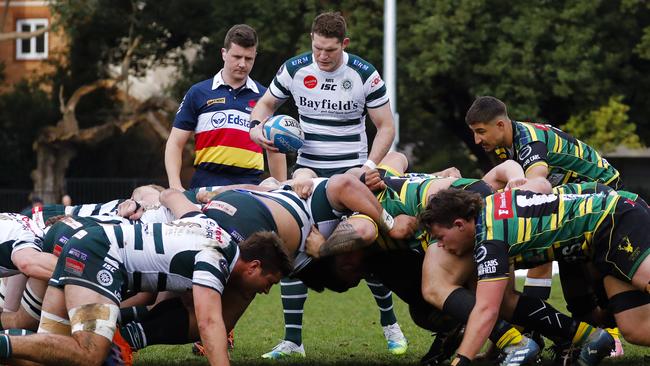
32	54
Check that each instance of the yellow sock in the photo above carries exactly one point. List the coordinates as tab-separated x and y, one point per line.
614	332
584	331
512	336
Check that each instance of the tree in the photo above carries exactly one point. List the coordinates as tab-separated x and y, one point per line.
605	128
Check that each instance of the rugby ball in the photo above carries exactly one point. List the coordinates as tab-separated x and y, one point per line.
285	133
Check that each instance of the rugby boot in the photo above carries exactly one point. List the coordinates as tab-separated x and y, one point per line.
285	349
597	346
525	352
397	343
618	345
443	347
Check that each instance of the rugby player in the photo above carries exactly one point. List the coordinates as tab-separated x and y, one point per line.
193	253
530	229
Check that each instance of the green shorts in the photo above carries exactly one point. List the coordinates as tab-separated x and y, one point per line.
85	261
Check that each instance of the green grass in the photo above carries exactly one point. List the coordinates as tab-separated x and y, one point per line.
339	329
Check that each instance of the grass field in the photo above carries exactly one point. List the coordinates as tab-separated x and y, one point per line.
339	329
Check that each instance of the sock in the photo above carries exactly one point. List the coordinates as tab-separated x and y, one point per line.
134	335
536	314
294	295
168	323
582	333
384	300
538	287
460	303
133	313
5	346
614	332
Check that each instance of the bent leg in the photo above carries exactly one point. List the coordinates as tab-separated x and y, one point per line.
631	310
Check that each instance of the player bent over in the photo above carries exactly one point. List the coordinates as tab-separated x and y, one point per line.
97	265
529	229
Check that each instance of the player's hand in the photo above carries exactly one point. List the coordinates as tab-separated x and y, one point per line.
404	227
515	182
130	209
373	180
303	186
449	173
314	242
205	196
257	136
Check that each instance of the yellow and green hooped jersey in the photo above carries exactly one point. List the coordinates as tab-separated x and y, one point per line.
538	228
569	160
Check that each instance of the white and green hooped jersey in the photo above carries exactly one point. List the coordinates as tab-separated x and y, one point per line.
16	232
332	107
173	256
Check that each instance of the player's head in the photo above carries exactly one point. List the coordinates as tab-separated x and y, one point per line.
328	40
450	217
488	119
264	261
239	51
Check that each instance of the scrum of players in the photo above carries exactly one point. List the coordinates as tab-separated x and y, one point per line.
90	284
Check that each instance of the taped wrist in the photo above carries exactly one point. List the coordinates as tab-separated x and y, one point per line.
460	360
386	221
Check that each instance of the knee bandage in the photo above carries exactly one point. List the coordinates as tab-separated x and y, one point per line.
100	319
53	324
31	302
628	300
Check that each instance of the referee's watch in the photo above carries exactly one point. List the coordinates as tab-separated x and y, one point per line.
252	124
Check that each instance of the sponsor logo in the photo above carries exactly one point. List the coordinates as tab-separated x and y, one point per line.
78	254
489	267
530	159
300	61
69	221
346	84
223	266
328	85
630	202
480	253
525	152
237	236
291	123
541	126
57	250
74	266
252	103
503	205
216	101
375	81
181	105
105	278
221	206
536	200
280	70
328	104
109	267
80	234
218	119
310	81
360	65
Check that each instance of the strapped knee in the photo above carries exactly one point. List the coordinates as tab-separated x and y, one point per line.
628	300
31	302
53	324
100	319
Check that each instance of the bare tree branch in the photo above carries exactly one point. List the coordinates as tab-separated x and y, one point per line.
5	12
23	35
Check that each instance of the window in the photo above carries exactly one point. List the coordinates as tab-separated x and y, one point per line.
34	48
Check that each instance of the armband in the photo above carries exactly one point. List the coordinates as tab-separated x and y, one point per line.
386	221
252	124
370	164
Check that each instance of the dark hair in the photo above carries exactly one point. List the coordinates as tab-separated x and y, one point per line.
448	205
268	248
330	25
485	109
242	35
321	274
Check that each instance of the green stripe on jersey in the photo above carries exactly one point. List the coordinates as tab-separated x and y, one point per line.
205	266
331	122
332	138
137	237
298	62
158	238
376	94
119	235
282	88
361	66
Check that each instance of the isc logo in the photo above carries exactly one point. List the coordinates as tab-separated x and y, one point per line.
328	85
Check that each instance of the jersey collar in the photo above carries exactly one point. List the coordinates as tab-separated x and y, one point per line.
217	81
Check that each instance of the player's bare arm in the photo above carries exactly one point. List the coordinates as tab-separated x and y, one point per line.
174	156
207	305
382	117
265	107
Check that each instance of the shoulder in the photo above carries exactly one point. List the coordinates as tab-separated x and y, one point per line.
364	68
296	63
200	88
261	88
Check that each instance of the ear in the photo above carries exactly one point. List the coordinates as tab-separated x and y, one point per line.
254	265
223	54
346	42
500	123
459	224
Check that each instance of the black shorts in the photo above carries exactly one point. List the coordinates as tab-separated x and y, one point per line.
622	241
